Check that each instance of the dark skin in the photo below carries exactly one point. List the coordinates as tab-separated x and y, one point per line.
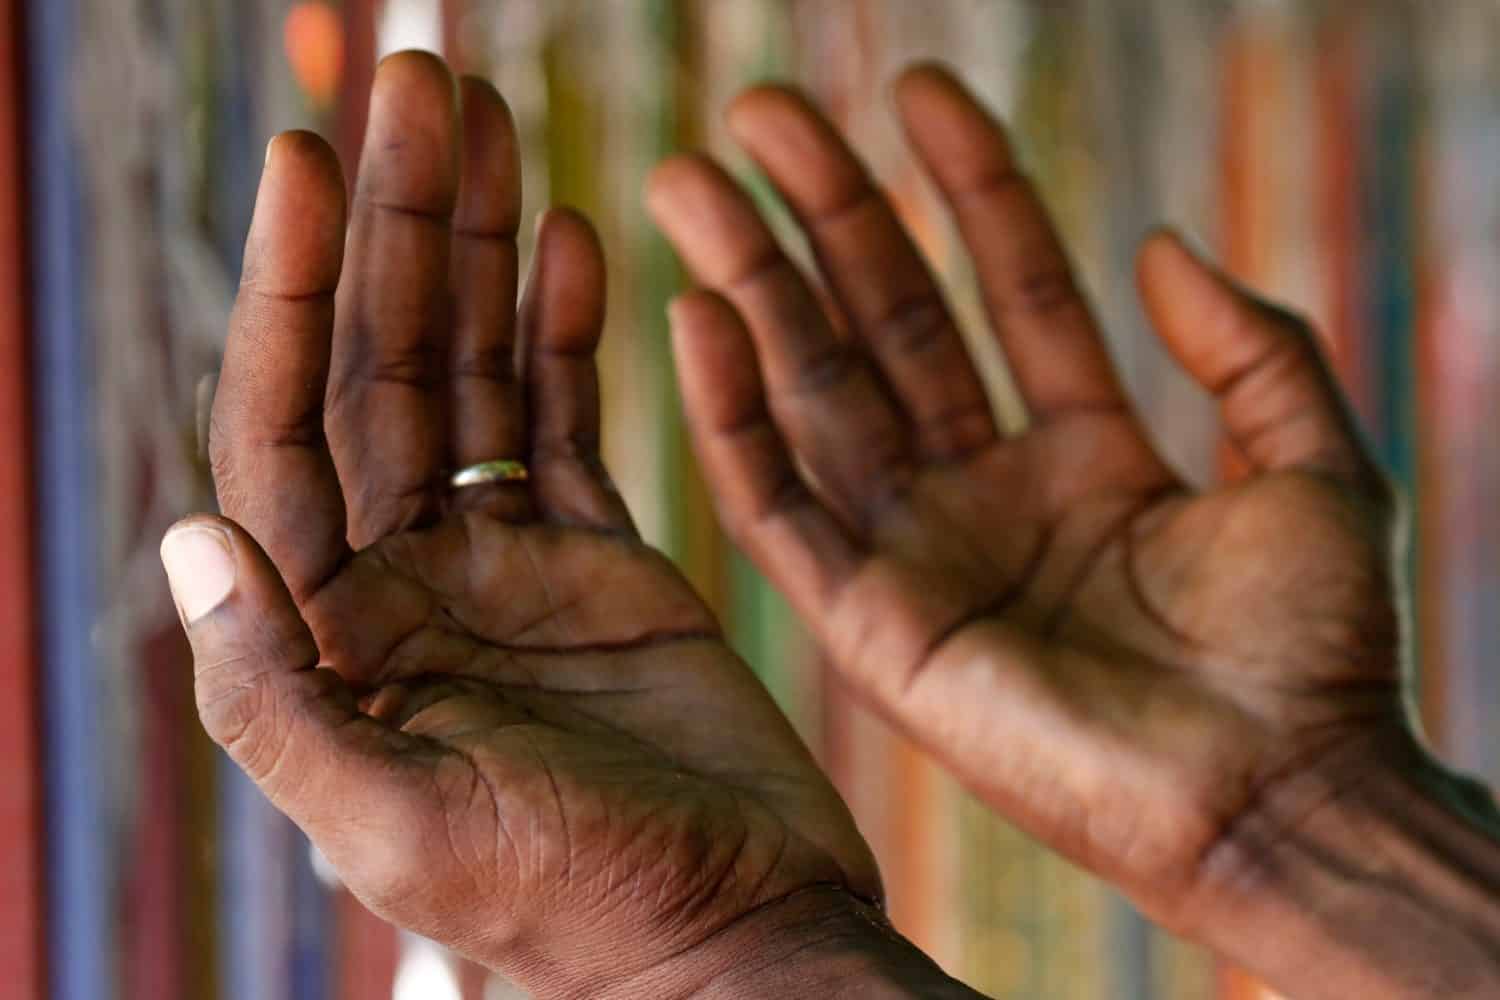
1122	663
509	724
1170	686
527	738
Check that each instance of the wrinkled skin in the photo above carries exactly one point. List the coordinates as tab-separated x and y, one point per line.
531	742
1132	669
528	738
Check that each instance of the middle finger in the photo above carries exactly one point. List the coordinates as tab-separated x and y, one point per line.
386	407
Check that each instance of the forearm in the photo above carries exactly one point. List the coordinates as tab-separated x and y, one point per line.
818	943
1376	875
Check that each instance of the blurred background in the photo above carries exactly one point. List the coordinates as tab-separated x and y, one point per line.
1343	157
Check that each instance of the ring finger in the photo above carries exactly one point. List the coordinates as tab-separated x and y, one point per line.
487	415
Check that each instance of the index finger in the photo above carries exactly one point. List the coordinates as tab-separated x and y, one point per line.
271	464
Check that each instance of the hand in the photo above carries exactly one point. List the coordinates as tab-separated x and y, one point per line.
509	725
1162	683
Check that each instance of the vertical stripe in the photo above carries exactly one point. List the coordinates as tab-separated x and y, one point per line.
78	872
21	821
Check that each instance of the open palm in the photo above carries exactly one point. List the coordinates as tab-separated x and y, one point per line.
1142	675
508	723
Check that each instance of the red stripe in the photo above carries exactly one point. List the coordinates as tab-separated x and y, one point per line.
354	85
21	819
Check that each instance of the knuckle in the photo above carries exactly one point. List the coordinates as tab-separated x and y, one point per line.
1295	343
411	358
234	710
914	327
576	444
823	369
1043	292
490	362
247	703
416	368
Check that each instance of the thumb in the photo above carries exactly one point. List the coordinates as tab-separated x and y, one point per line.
1279	401
292	727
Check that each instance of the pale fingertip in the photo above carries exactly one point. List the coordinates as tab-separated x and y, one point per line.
938	87
417	65
543	222
1158	240
960	141
200	566
563	222
751	105
657	193
412	147
679	309
295	244
673	183
1168	238
928	73
1166	255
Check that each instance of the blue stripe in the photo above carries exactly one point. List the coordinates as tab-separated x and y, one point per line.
79	882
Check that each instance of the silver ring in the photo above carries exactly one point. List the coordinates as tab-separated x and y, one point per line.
499	470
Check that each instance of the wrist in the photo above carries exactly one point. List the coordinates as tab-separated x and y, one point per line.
821	941
1375	873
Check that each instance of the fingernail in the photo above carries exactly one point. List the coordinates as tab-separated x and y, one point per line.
270	146
200	569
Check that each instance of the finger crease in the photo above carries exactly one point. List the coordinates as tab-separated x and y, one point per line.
492	364
1285	351
575	446
754	420
1041	293
570	345
418	368
991	183
442	217
996	607
861	199
503	234
821	369
762	265
914	325
314	296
